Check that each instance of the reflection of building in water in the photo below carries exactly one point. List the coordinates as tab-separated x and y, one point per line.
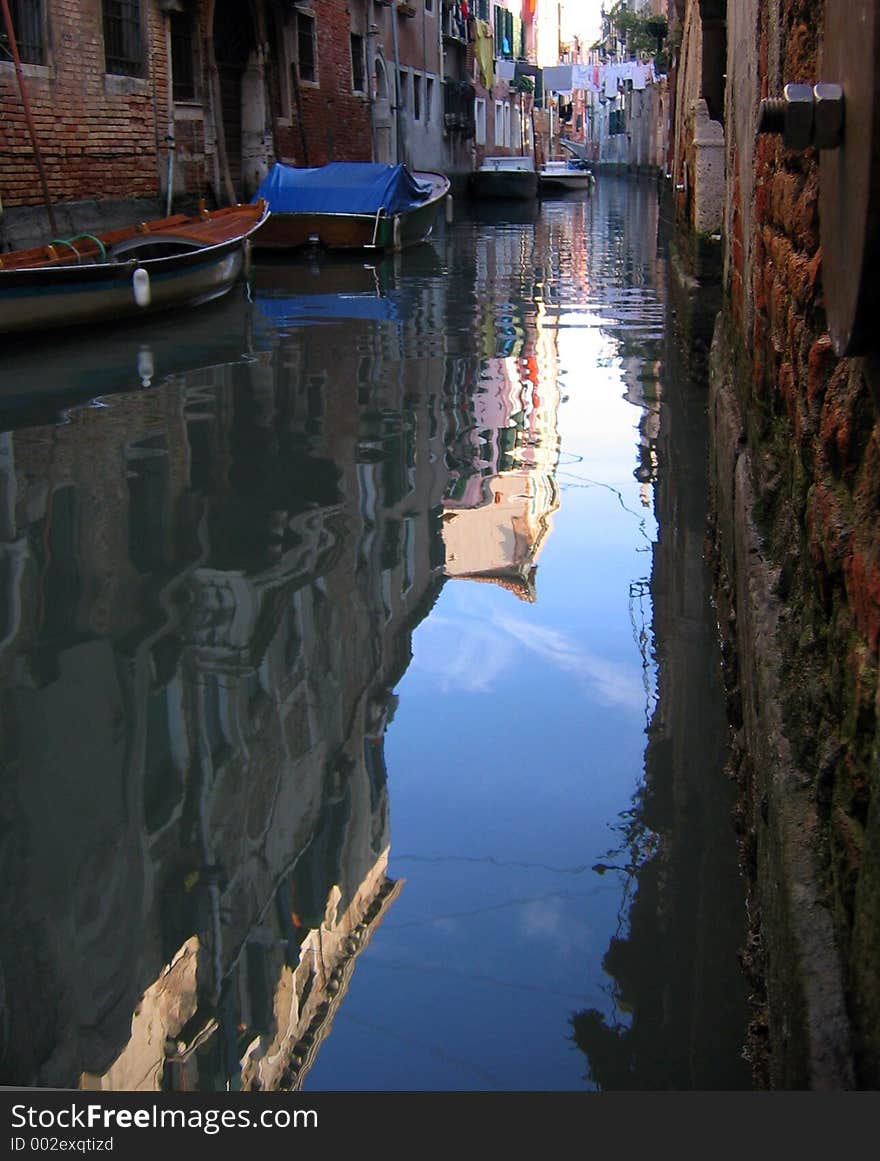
286	987
642	376
208	592
499	505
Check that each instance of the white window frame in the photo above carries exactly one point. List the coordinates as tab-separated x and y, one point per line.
429	99
480	120
499	123
363	41
508	135
418	96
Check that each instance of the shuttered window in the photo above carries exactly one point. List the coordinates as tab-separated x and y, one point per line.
123	42
183	72
27	25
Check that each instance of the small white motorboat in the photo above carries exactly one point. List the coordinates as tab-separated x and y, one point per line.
565	175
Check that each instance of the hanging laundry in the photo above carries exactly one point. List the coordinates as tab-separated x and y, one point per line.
484	54
585	77
640	77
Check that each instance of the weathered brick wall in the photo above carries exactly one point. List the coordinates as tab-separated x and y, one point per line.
97	133
820	480
335	120
809	442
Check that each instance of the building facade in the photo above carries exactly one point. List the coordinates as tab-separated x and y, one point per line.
162	102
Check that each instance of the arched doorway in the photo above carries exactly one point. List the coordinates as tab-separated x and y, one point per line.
384	114
234	47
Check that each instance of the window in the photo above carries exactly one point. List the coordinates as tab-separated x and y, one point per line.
480	120
305	47
27	21
429	5
417	97
358	68
409	554
429	99
183	68
404	85
380	82
123	43
507	130
499	122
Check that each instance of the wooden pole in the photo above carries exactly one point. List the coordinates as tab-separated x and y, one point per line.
22	88
219	129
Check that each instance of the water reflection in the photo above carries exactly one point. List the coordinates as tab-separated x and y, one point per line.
219	590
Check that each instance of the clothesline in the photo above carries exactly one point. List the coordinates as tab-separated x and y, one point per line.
599	78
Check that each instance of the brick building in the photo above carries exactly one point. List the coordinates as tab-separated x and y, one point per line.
129	94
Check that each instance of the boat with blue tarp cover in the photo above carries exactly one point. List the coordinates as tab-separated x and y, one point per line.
349	205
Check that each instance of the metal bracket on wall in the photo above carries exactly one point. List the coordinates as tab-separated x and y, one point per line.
840	117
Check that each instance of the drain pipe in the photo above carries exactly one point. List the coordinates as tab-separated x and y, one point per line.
169	141
398	138
370	31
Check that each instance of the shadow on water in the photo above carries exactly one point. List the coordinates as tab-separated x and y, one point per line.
680	1014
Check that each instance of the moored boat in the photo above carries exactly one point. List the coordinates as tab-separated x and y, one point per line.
173	262
512	177
349	205
561	176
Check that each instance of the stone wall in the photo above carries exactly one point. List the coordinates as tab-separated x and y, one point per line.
796	448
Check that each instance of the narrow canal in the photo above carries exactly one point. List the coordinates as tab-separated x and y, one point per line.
362	722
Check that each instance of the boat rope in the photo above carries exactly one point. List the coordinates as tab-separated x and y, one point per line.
102	250
62	242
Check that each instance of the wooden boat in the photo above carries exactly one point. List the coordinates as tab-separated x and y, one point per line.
179	261
564	176
512	177
349	205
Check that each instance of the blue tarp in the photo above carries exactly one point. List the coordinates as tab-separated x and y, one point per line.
342	187
281	310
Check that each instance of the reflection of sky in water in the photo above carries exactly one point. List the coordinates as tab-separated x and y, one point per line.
518	741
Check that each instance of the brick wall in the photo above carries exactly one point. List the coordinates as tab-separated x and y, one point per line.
335	120
97	133
810	435
821	492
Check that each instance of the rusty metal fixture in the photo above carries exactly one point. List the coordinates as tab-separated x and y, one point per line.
798	131
841	118
804	115
828	115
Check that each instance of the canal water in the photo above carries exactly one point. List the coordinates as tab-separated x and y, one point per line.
362	722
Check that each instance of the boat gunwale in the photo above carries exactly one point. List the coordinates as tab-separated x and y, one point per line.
65	272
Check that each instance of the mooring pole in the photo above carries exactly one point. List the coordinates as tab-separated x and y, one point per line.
22	88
